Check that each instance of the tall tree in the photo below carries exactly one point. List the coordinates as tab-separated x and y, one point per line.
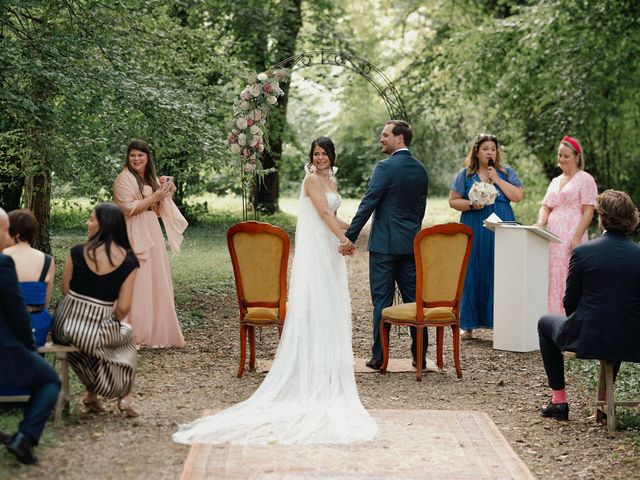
81	77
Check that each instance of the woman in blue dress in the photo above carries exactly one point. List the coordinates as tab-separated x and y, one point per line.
483	164
35	271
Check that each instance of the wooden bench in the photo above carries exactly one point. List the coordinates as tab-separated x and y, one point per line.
64	398
605	396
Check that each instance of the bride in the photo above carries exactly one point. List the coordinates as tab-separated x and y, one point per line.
310	394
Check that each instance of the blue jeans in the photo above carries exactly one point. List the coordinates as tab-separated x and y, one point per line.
45	386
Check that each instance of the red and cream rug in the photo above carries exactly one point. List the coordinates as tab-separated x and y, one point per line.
410	445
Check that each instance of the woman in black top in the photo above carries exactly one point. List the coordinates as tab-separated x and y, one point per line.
98	288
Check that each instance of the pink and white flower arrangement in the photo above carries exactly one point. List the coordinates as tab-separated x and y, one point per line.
246	140
483	193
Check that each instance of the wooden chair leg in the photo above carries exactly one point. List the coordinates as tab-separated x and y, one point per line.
243	349
601	395
611	400
252	348
384	336
455	330
64	398
439	342
419	346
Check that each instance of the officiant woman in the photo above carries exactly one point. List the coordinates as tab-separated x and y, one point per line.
483	164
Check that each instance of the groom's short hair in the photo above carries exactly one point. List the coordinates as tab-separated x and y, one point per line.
400	127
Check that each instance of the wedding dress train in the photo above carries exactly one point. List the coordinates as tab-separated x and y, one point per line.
310	394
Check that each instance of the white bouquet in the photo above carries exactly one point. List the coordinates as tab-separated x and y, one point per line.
483	193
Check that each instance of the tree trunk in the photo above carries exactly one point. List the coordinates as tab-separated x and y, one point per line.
37	198
267	191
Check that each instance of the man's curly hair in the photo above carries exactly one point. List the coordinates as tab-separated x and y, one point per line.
617	212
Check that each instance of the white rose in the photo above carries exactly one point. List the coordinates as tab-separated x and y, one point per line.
262	77
235	148
242	139
255	90
241	123
272	100
255	115
255	129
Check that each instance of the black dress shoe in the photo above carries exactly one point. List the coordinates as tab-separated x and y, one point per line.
559	411
20	446
4	438
424	364
375	364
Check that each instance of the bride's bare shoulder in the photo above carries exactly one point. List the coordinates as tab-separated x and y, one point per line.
312	183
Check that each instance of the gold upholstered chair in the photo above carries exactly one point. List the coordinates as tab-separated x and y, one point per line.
441	255
259	254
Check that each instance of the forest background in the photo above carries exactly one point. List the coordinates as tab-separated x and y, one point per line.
80	78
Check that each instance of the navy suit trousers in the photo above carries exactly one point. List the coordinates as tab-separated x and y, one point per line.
385	271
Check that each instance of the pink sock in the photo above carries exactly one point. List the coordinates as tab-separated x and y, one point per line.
558	396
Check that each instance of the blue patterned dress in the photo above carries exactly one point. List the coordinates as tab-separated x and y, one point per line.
477	297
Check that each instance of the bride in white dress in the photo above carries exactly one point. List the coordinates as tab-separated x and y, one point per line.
310	394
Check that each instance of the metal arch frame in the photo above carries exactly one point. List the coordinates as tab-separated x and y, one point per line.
365	69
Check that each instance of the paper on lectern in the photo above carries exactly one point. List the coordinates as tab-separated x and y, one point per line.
492	221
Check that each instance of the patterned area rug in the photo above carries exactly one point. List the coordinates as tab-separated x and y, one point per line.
410	445
395	365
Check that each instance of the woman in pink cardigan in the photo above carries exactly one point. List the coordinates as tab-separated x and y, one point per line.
143	197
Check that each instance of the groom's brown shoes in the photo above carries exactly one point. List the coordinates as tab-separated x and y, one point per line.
375	364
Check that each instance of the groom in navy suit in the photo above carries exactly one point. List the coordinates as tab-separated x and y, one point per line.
20	365
397	198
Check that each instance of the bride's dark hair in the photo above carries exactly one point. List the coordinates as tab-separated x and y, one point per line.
327	145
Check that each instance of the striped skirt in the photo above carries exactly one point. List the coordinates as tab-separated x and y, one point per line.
106	363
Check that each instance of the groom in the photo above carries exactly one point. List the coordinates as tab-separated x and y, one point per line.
397	198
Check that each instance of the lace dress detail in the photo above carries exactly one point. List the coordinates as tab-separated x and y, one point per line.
310	394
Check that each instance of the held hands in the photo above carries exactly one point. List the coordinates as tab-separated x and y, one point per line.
347	249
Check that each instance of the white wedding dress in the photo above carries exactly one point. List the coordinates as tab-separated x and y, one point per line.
310	394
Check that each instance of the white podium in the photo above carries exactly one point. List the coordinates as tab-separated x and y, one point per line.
520	284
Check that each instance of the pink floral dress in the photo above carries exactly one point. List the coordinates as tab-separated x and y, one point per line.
566	212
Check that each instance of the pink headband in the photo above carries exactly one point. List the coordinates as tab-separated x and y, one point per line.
574	143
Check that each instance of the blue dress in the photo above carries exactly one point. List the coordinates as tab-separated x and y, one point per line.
476	310
35	295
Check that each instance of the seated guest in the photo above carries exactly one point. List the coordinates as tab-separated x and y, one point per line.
602	301
97	284
35	271
21	365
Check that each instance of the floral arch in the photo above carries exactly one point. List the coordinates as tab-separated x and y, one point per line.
246	139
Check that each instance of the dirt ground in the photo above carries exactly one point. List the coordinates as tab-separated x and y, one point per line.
174	386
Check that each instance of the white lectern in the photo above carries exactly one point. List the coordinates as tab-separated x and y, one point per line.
520	284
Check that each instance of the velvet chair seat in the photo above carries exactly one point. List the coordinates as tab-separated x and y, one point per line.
407	312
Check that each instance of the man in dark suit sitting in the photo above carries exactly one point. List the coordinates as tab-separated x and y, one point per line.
602	301
20	365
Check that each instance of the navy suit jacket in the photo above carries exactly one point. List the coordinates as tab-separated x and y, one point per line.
16	337
397	199
602	300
